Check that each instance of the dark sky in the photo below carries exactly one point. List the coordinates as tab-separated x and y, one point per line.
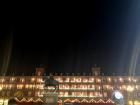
72	39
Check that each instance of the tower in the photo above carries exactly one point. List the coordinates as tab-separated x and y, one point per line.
40	71
96	71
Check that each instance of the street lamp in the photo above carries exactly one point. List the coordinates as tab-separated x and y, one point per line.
118	97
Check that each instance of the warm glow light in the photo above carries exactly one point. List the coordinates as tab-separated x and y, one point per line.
120	87
135	103
129	79
67	80
1	101
98	80
32	79
135	80
130	88
85	80
0	88
78	80
123	87
72	79
136	87
12	79
71	86
91	79
5	102
2	80
109	79
121	80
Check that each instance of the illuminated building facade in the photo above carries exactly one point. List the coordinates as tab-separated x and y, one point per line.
93	88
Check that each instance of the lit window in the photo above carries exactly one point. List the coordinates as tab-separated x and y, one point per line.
73	87
85	80
61	94
91	94
105	94
98	80
78	79
72	79
120	79
98	87
12	79
30	86
22	80
60	86
130	88
33	86
40	87
73	93
67	80
39	80
91	79
2	80
6	86
5	102
1	101
129	79
88	86
93	87
98	94
109	79
66	94
83	87
29	93
9	86
123	87
135	80
66	86
19	86
26	86
59	79
138	87
37	93
32	79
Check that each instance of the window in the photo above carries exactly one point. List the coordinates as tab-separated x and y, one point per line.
98	80
19	86
78	79
85	80
72	79
22	79
32	79
67	79
12	79
91	79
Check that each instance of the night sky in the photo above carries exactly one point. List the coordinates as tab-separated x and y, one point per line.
72	39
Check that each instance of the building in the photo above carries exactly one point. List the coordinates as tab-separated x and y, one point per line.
90	89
